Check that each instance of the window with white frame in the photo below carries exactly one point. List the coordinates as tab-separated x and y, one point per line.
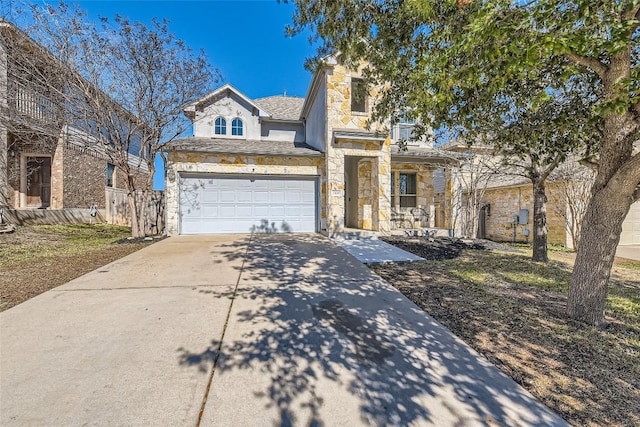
220	126
403	130
236	127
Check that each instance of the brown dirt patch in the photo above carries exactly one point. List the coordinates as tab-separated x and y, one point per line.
37	259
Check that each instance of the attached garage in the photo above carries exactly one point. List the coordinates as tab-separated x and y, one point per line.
631	226
212	204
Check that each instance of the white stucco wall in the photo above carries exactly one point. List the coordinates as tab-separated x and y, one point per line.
279	131
229	107
316	126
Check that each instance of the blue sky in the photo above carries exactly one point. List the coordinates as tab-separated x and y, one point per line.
245	40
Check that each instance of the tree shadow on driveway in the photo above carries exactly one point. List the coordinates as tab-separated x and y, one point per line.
315	338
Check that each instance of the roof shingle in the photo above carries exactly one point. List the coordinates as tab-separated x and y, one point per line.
282	107
241	146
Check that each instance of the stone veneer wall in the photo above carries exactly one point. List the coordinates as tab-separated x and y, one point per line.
179	162
340	116
506	202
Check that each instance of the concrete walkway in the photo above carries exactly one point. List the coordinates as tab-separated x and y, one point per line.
371	250
312	337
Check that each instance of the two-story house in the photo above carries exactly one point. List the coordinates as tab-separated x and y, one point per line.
45	161
303	164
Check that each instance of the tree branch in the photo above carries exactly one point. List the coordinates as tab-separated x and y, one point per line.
586	61
630	171
632	13
545	174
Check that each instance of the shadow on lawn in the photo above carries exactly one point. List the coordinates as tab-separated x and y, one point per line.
513	311
306	313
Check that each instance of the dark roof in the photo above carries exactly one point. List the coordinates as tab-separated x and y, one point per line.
241	146
282	107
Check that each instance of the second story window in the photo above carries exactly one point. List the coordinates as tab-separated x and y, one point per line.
358	96
405	128
236	127
221	126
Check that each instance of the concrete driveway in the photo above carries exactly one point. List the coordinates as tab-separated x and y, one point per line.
227	331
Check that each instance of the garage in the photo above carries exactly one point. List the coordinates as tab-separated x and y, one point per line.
213	204
631	226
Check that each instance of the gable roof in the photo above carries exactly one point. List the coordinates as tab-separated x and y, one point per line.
282	107
190	109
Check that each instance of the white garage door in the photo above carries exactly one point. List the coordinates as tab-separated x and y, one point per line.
217	204
631	226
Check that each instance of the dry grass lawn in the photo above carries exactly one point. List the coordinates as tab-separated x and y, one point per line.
511	310
35	259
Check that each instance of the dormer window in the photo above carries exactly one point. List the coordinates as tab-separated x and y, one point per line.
221	126
358	96
236	127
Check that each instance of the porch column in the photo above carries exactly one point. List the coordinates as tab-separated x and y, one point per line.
383	190
336	191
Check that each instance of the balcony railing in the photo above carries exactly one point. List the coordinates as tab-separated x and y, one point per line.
27	102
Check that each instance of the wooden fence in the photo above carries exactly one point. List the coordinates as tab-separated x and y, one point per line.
117	209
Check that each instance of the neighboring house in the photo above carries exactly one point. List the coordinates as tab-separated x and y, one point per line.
504	202
45	162
302	164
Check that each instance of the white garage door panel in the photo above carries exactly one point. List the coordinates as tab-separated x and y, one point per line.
240	205
631	226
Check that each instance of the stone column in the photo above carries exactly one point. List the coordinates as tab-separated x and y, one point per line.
383	205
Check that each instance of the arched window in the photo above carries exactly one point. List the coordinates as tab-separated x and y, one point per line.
221	126
236	127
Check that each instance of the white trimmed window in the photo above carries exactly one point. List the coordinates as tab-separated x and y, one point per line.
220	126
236	127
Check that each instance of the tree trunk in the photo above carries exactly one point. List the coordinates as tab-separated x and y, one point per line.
601	227
133	214
539	221
612	194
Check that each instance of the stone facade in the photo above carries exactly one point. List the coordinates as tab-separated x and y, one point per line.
374	209
230	164
507	201
350	156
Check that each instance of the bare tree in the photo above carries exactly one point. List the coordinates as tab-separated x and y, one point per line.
572	193
120	86
473	176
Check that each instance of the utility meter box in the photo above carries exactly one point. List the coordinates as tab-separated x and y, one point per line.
523	216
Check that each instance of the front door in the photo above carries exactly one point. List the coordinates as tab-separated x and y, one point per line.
38	182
